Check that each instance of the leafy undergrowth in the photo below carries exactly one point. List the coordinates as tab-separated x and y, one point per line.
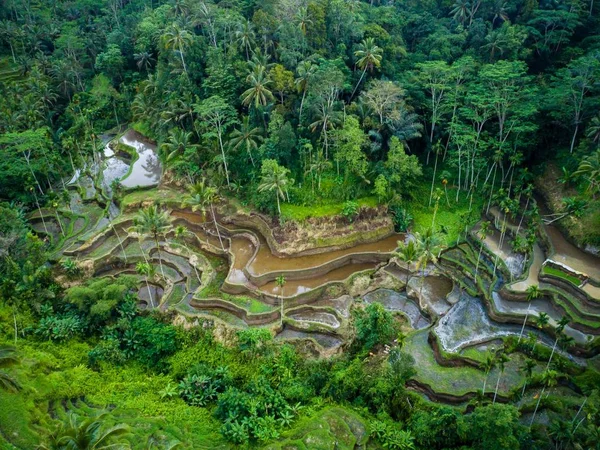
560	274
332	428
148	195
450	220
583	230
300	212
53	373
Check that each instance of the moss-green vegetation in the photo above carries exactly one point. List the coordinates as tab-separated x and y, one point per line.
299	212
550	270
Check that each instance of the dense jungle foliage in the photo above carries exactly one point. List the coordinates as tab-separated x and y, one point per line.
297	108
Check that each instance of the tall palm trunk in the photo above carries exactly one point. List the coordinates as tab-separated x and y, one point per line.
433	179
497	385
40	211
159	256
223	153
212	209
302	104
524	322
281	313
552	353
479	258
182	60
120	241
149	291
537	405
359	81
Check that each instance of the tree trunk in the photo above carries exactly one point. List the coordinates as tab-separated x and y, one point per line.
301	105
524	322
537	406
574	136
182	60
433	179
159	257
359	81
223	153
552	353
149	292
497	385
120	242
212	210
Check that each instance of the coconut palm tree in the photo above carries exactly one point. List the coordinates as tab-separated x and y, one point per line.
482	234
549	379
533	292
175	146
306	71
152	222
78	433
527	370
246	37
280	280
501	360
276	180
203	196
181	232
146	270
177	39
247	137
258	93
143	60
487	366
409	253
430	245
460	11
369	56
8	357
562	323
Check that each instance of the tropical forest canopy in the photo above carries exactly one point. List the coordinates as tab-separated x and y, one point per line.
297	109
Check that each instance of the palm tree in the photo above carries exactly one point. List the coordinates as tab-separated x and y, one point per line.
202	196
180	233
409	253
8	357
147	270
502	359
246	136
527	370
306	71
143	60
87	434
430	245
460	11
259	92
482	234
280	280
326	118
549	379
246	37
317	167
589	168
175	146
562	323
487	366
177	39
152	222
276	180
533	292
369	56
542	320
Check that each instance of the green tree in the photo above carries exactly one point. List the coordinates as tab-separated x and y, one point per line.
280	280
409	252
246	136
220	116
374	326
494	426
258	93
533	292
181	232
177	39
348	143
549	379
274	178
305	71
151	221
368	56
203	196
146	270
403	170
